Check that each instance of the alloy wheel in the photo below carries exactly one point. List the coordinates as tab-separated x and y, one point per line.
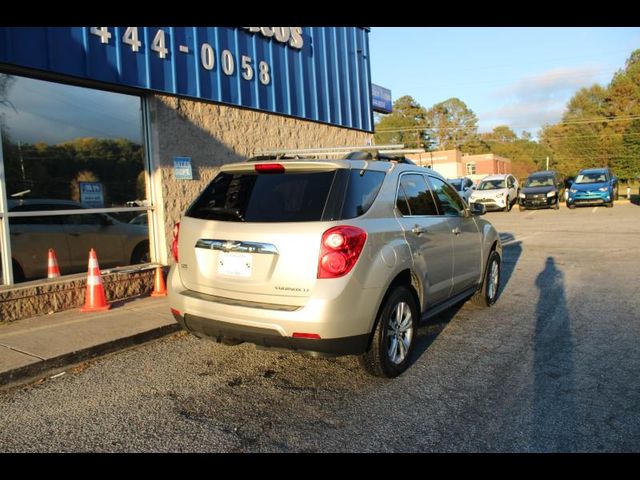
399	333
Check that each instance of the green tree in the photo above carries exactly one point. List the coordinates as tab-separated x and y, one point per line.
624	90
501	133
404	125
627	165
598	128
451	124
581	139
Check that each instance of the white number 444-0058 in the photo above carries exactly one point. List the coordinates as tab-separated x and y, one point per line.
131	37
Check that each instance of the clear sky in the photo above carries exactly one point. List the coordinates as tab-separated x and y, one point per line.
516	76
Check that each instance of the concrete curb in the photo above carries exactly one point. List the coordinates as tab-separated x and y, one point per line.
44	368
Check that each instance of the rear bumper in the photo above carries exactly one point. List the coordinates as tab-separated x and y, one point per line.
342	318
268	338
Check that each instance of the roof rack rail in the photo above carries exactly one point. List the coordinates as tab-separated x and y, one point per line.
394	152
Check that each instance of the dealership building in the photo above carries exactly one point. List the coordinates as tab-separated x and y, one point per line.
455	164
109	133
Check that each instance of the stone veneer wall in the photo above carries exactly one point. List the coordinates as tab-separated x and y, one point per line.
213	135
40	298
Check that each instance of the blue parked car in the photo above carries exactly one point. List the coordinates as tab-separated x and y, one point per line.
593	186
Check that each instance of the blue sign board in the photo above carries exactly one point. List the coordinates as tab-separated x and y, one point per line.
315	73
381	99
182	168
91	194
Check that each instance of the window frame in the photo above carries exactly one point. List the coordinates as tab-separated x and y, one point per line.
428	185
6	264
470	164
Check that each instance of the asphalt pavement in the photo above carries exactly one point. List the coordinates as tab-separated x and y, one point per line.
552	367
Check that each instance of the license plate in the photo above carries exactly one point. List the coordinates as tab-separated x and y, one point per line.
235	264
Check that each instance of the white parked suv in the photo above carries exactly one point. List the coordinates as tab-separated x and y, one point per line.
329	257
497	192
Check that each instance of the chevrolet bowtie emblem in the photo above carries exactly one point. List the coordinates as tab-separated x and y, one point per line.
230	245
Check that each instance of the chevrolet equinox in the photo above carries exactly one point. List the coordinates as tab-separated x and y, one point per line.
329	257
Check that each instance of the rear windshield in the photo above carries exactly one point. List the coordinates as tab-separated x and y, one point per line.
250	197
287	197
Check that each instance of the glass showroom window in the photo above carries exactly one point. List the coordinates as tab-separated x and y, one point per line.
68	149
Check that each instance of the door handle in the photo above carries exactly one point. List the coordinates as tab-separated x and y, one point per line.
456	231
418	229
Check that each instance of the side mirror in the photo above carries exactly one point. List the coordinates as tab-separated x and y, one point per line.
478	209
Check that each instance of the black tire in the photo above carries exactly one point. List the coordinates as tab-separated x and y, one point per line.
570	206
141	253
610	204
487	294
384	357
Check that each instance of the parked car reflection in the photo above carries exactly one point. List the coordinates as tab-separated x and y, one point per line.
71	236
140	219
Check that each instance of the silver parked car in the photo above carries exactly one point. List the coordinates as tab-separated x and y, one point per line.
329	257
71	236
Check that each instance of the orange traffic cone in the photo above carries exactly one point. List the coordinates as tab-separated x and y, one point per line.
159	288
94	299
52	265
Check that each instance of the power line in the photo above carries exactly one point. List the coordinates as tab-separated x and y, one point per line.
576	122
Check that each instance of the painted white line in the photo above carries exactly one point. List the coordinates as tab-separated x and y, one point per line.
595	209
530	214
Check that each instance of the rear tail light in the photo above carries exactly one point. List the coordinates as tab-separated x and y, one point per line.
340	249
269	168
174	242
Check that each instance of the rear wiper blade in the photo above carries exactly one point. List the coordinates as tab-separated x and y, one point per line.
232	212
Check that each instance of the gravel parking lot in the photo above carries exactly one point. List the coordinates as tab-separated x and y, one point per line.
553	367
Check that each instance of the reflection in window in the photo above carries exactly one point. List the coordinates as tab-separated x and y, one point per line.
451	203
1	250
417	194
68	148
71	143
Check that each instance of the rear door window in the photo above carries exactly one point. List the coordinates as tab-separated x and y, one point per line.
414	197
252	197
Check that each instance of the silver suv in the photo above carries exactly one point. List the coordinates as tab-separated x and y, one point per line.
329	257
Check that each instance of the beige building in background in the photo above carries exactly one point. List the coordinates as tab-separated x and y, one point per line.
454	163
